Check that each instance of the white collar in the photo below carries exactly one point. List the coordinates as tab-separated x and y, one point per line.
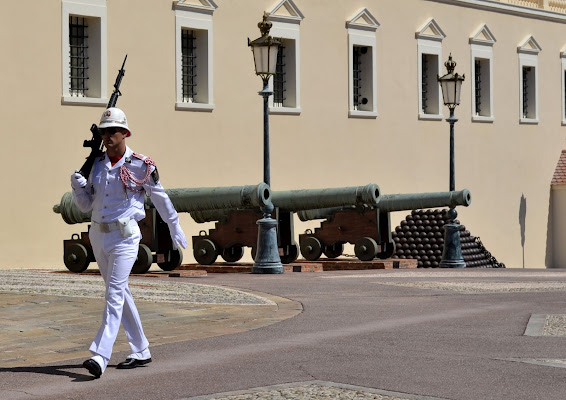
127	156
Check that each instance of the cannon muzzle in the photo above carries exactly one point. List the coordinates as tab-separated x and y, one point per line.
186	200
399	202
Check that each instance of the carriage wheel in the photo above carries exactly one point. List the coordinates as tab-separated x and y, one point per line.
232	254
311	248
144	260
76	258
290	254
205	252
365	249
334	251
175	258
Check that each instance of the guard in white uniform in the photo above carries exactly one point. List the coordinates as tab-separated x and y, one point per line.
115	193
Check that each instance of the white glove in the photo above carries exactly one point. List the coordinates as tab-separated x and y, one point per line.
77	180
177	236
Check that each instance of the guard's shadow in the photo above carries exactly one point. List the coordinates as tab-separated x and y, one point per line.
61	370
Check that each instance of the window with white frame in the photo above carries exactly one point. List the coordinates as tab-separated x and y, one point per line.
84	52
286	83
362	62
528	92
429	96
280	77
429	49
528	81
362	78
481	105
563	69
482	73
193	51
188	65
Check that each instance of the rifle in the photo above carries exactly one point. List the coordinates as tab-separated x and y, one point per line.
95	143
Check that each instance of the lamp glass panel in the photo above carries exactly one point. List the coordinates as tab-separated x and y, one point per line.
261	59
273	59
448	92
458	91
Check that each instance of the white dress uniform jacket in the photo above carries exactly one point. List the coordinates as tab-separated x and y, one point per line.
109	199
115	194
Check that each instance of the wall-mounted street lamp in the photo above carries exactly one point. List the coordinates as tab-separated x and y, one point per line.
451	85
265	50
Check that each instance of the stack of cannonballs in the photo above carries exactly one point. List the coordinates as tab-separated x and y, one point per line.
420	236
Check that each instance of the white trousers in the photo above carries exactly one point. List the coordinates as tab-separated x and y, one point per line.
115	256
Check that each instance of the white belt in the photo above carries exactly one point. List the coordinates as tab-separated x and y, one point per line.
113	226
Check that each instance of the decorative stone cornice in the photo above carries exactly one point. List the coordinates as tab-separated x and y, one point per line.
508	8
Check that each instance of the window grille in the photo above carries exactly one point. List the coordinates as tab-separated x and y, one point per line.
78	51
478	86
526	72
357	75
424	84
188	65
279	79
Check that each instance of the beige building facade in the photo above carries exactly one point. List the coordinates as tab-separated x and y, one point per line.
328	128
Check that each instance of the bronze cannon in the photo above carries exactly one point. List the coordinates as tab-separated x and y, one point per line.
156	245
368	228
237	228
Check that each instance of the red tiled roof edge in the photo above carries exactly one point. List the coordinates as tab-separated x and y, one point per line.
559	177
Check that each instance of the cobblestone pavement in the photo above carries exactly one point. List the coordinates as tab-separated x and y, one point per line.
156	290
47	316
313	391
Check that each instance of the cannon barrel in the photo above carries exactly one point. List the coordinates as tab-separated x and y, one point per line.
399	202
305	199
214	198
186	200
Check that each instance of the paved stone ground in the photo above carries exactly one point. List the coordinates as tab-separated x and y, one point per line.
388	335
52	316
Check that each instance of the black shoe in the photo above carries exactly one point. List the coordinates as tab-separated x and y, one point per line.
132	363
93	367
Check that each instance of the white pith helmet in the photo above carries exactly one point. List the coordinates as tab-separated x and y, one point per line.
113	116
